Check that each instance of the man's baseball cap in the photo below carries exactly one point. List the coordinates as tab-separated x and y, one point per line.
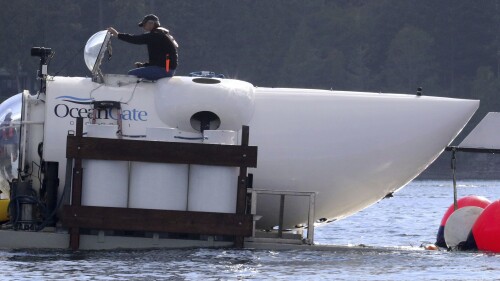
149	18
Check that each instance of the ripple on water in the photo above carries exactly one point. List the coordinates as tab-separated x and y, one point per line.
393	229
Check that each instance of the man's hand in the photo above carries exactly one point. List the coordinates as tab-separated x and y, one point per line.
112	31
139	64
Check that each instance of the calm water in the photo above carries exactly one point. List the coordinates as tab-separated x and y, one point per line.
396	228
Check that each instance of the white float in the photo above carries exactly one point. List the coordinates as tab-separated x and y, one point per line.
105	182
213	188
160	186
459	224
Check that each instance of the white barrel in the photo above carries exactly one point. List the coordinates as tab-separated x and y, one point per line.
105	183
160	186
213	188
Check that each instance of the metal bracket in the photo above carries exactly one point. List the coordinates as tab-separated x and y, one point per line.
96	71
312	207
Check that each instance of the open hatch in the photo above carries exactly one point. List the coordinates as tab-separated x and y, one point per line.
96	48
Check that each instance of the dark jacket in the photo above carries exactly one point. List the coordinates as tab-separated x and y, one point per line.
159	42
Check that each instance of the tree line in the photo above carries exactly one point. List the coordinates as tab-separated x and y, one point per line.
447	47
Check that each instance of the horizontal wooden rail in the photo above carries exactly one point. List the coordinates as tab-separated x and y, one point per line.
107	218
161	152
76	216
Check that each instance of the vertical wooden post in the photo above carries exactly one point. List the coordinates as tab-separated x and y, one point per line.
242	187
282	214
76	194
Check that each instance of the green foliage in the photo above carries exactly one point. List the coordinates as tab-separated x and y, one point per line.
487	84
410	61
448	47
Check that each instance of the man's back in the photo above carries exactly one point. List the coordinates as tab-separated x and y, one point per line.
159	45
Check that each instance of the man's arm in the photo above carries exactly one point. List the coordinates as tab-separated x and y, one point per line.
134	39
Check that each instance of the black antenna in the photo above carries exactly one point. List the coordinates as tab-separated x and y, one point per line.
44	54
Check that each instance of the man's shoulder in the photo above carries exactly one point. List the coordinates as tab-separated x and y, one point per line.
161	30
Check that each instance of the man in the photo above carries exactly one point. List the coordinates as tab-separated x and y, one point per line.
162	49
8	147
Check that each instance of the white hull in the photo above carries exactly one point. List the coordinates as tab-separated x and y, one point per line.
351	148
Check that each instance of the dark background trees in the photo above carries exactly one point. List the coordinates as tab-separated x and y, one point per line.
447	47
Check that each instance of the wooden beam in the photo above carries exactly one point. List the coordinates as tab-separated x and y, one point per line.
76	216
161	152
76	192
107	218
241	193
74	238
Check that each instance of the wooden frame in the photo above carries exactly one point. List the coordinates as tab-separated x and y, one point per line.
77	216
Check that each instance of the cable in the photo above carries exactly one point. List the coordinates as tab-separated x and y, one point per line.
15	206
95	89
133	92
39	174
190	138
67	62
67	186
134	136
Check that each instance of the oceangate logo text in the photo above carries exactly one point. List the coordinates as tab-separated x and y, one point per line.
62	110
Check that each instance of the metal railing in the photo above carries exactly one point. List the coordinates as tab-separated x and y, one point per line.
282	194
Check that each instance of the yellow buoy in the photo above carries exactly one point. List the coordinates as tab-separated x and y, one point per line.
4	210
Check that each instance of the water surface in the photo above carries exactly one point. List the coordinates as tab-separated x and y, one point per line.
392	230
